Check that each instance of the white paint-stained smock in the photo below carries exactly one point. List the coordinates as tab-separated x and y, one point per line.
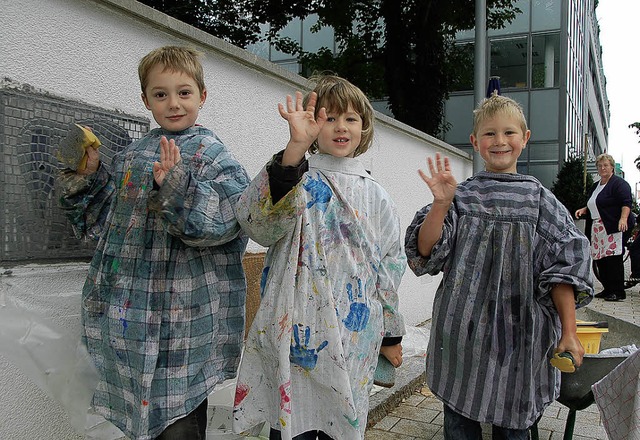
329	295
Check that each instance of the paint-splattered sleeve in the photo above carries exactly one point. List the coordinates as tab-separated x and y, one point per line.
392	267
264	222
85	200
198	197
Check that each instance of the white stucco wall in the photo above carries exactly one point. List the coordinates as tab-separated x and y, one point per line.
88	51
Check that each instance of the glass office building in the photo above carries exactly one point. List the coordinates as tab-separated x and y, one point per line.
548	59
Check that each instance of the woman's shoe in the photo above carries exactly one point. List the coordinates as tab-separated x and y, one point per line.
614	297
630	282
602	294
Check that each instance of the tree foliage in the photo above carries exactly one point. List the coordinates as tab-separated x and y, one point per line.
569	186
636	128
400	50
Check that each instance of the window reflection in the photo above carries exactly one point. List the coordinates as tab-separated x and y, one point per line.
462	59
545	59
509	61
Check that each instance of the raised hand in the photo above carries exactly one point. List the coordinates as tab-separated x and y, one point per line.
169	157
303	126
441	183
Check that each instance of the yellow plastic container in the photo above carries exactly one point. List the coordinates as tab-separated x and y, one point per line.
590	338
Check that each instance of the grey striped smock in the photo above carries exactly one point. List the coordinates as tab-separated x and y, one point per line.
506	241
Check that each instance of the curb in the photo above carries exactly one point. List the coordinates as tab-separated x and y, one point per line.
409	377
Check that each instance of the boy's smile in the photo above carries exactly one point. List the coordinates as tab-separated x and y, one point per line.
341	134
500	142
173	98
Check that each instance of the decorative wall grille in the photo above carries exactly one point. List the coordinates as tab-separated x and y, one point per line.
32	124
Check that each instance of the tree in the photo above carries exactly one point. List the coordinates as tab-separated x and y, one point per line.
226	19
401	50
569	188
636	127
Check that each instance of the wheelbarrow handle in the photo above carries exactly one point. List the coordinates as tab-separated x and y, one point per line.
599	324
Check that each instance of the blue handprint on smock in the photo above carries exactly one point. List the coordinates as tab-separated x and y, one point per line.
299	354
358	316
319	191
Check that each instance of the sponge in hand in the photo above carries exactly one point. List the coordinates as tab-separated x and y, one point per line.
564	362
385	374
72	151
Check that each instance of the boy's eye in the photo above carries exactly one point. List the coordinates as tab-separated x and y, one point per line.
331	119
159	95
185	92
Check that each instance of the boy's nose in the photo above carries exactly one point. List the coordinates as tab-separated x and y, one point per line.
174	102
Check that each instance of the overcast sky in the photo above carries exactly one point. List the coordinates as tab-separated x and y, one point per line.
620	39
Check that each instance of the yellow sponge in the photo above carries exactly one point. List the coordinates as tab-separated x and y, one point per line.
564	362
72	151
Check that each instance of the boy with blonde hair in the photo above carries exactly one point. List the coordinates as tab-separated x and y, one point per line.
515	267
163	303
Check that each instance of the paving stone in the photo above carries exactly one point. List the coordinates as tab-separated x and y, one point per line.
374	434
414	400
421	430
415	413
387	423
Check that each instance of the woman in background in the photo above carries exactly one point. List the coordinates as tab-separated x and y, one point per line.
608	209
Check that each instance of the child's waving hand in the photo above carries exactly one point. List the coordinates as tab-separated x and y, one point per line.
443	187
169	157
441	183
303	126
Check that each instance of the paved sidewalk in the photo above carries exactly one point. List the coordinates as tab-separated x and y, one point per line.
409	411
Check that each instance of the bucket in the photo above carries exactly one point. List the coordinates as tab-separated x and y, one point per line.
590	334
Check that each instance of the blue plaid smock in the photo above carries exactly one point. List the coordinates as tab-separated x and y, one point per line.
163	303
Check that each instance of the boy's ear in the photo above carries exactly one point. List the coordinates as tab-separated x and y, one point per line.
203	97
527	135
144	99
473	141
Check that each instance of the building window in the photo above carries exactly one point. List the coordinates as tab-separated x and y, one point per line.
293	31
462	59
545	60
520	23
314	38
545	15
509	61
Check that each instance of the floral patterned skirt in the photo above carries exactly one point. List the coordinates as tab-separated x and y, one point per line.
603	244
